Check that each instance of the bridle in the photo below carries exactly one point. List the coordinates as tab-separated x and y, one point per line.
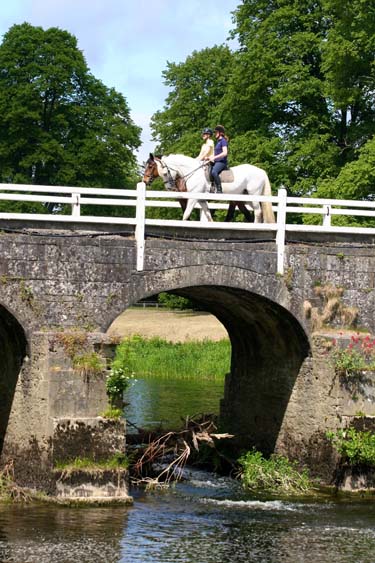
176	183
149	177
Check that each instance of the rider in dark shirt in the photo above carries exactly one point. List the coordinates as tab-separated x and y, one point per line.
220	157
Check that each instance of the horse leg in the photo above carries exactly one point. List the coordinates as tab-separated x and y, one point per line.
230	213
189	208
183	204
205	211
242	207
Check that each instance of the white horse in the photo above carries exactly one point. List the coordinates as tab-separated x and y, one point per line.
247	179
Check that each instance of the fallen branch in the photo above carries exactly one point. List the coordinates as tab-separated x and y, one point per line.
174	449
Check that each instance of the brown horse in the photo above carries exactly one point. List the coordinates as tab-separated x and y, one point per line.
151	172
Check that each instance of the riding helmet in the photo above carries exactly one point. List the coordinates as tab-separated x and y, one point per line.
220	129
207	131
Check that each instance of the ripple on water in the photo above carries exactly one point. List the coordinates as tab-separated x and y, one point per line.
252	504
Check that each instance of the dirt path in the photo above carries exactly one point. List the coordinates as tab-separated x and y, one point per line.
175	326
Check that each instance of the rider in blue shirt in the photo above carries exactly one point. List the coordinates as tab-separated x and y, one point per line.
220	157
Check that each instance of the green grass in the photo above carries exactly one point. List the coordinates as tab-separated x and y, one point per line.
276	474
160	358
118	461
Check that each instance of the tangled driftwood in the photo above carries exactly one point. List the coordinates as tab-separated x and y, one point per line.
172	450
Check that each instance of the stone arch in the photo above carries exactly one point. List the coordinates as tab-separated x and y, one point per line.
13	349
269	344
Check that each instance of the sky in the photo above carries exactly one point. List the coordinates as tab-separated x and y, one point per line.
127	43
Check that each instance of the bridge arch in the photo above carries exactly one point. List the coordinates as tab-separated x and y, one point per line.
13	349
269	345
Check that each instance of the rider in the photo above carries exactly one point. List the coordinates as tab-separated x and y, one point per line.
220	157
207	149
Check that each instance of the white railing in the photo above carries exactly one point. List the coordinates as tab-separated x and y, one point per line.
142	198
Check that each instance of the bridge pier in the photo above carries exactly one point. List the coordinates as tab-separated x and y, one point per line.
57	410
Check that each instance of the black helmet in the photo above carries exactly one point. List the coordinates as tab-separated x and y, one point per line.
220	129
207	131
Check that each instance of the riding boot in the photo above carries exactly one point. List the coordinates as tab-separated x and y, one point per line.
218	187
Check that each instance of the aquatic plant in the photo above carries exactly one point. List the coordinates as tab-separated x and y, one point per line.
276	474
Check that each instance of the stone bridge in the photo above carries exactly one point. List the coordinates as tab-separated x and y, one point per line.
60	288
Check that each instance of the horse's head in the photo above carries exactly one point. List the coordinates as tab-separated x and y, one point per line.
151	170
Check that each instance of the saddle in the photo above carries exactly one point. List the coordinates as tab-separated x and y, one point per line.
226	176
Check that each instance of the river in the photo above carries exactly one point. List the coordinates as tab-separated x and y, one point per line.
204	519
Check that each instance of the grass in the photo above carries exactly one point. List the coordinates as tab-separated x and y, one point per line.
276	474
160	358
119	461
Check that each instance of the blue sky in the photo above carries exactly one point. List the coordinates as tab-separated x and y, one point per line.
127	43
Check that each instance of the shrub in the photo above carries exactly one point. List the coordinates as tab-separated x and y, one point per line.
274	474
356	357
355	446
118	380
171	301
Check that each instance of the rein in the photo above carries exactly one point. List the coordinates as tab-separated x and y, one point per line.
172	182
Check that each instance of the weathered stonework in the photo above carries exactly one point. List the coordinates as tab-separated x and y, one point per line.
281	392
99	486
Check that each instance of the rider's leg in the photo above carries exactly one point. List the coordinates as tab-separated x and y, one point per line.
216	169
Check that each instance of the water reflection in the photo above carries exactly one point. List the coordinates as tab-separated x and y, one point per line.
54	534
154	402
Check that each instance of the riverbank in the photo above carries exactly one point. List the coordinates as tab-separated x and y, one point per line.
174	326
156	357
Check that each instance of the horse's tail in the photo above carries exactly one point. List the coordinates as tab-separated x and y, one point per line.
267	211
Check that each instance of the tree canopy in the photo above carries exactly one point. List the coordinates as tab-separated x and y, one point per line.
59	124
297	95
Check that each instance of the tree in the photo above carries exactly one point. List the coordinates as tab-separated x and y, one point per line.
197	86
297	96
60	125
303	84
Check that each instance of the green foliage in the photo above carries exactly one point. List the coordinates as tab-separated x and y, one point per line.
59	124
356	446
171	301
90	363
196	87
159	358
276	474
356	357
117	461
296	96
118	380
113	413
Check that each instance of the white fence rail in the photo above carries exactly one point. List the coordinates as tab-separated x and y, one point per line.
141	198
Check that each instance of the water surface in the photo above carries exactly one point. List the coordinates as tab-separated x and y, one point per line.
204	520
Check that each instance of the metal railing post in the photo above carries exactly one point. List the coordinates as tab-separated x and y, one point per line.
140	224
280	235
